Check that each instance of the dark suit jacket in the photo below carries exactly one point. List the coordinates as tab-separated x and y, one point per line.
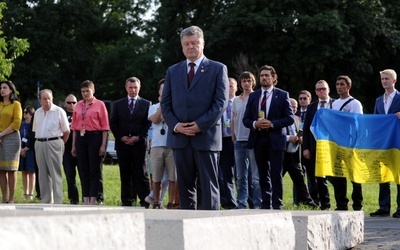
279	113
204	103
124	124
308	138
394	107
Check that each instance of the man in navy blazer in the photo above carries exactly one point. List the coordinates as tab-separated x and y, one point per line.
268	113
318	185
388	103
195	96
130	125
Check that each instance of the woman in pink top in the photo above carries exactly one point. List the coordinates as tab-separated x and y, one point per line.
90	131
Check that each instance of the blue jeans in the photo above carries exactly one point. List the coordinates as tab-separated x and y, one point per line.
245	164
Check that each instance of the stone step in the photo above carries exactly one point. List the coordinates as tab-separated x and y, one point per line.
41	226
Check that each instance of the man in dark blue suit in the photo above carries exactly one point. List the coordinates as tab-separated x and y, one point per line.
195	96
388	103
267	115
318	185
130	126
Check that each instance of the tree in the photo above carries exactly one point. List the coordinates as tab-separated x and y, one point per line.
10	49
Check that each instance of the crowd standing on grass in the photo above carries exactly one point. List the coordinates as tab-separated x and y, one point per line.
207	141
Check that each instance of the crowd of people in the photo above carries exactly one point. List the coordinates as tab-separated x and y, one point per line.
206	142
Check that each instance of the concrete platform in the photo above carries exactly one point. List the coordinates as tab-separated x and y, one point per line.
229	229
70	227
328	229
39	226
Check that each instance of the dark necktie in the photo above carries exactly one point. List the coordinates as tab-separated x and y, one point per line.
191	73
302	115
263	104
131	105
322	104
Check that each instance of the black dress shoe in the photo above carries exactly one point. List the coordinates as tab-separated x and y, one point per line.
309	204
381	213
325	208
396	214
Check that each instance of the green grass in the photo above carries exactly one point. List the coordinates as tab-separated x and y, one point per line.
370	193
112	192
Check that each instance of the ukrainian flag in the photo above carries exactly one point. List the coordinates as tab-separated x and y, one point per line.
362	147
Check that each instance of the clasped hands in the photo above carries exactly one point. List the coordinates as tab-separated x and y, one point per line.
188	128
130	140
263	124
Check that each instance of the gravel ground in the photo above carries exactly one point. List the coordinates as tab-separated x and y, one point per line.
380	233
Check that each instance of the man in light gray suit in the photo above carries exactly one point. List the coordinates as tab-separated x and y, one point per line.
195	96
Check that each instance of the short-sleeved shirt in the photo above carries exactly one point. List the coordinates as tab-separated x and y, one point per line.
50	124
93	118
351	107
158	140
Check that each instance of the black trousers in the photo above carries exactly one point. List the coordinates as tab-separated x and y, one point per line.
133	174
89	162
70	164
340	189
291	164
318	187
226	167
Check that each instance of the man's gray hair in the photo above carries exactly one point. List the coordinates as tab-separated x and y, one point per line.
192	30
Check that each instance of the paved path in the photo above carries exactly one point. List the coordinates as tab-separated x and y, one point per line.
380	233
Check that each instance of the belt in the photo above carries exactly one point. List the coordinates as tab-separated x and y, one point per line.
48	139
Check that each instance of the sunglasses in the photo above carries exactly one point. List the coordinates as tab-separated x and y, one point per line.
321	89
71	102
26	112
302	98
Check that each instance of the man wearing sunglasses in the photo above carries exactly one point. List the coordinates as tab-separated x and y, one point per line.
70	162
317	184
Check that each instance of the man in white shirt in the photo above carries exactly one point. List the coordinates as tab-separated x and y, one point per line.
348	104
51	129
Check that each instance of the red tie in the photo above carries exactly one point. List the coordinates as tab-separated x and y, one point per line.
191	73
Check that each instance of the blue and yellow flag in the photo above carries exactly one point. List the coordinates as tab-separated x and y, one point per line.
364	148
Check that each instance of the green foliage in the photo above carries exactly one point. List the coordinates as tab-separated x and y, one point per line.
109	41
10	49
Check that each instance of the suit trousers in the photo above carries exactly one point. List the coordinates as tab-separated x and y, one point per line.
134	179
226	168
197	167
340	189
49	159
291	164
269	164
70	164
318	187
